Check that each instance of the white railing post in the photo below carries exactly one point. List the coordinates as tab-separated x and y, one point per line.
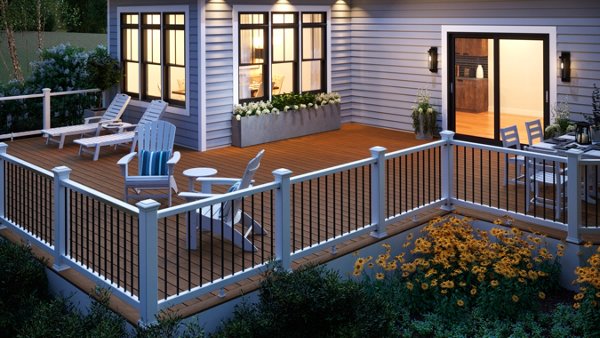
283	249
61	204
573	196
3	147
46	108
378	192
447	170
148	259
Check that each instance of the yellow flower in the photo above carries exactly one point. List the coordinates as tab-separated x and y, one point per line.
587	244
498	221
460	302
515	298
379	276
409	236
409	285
598	294
473	291
541	295
356	273
579	296
447	284
444	291
494	283
576	306
370	265
424	286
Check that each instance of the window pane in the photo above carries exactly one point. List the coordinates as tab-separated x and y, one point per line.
278	18
251	82
249	19
152	19
251	46
283	44
131	44
175	42
153	80
312	18
152	40
289	45
177	83
311	76
132	77
285	72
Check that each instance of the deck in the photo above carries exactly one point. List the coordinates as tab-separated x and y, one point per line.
182	268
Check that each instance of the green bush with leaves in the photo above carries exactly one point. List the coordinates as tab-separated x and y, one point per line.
60	68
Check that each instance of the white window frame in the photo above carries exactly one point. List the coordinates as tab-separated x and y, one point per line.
270	10
162	10
549	30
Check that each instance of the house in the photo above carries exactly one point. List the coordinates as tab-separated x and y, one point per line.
492	56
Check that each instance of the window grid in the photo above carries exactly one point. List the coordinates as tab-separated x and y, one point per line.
314	23
257	24
283	23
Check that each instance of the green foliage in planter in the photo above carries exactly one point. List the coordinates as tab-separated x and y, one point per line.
594	119
311	302
103	70
424	113
293	101
284	102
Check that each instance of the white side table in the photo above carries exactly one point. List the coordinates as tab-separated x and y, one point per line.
194	173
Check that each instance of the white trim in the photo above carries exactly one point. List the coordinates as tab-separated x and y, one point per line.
160	9
202	75
108	26
549	30
271	9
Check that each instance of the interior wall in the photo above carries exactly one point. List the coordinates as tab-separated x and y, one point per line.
522	77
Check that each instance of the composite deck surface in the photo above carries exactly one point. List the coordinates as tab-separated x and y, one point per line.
315	217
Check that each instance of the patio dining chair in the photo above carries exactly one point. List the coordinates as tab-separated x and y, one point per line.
535	133
152	113
220	219
540	176
92	124
156	161
510	139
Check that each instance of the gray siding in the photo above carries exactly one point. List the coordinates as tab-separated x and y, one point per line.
389	44
188	134
341	71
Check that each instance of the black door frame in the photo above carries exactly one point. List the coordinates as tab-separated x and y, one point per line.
451	60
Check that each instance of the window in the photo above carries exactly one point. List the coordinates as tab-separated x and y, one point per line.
294	60
153	56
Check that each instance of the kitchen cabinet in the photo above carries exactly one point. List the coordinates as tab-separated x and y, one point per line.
471	95
471	47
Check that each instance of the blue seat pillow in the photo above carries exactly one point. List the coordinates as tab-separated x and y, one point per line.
154	163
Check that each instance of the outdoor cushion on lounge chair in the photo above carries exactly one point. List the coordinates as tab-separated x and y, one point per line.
156	166
152	113
92	124
220	219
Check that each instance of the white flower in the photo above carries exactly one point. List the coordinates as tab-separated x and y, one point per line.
275	111
295	107
266	111
286	108
420	110
302	106
238	117
258	112
429	110
310	104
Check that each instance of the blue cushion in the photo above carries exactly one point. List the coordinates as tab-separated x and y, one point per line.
154	163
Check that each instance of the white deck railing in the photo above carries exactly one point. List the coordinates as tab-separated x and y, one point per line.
46	96
430	174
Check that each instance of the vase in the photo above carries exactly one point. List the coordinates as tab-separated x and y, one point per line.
595	134
419	133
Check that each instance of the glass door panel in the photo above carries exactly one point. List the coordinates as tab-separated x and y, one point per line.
521	83
474	91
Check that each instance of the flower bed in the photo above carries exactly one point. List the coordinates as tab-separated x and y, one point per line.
287	116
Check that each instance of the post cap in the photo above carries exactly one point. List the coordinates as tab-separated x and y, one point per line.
61	171
147	204
447	135
3	147
282	172
377	150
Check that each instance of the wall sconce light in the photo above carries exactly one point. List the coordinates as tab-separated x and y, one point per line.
432	59
565	66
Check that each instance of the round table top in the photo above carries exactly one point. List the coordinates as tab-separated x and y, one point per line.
199	172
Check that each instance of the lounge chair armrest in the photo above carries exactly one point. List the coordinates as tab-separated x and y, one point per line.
174	159
92	119
193	196
127	127
218	180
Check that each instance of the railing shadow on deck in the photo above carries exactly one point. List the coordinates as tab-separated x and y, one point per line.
141	253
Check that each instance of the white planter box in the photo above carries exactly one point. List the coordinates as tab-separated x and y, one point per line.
252	130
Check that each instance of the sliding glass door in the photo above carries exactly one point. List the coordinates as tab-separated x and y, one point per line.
495	81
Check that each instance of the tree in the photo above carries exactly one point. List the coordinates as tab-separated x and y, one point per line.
84	16
7	15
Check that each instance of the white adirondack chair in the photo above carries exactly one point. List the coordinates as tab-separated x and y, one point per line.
92	124
152	113
154	139
222	220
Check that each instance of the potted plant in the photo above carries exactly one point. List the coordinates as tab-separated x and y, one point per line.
288	115
424	116
562	124
594	120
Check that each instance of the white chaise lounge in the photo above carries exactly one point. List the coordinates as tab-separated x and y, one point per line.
92	124
152	113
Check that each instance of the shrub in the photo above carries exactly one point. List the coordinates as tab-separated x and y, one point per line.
310	302
588	298
454	267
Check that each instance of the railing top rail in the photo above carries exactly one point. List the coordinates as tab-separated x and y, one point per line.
20	97
332	170
590	161
73	92
219	198
527	153
18	161
126	207
414	149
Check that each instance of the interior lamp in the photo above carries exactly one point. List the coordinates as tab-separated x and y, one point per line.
565	66
432	57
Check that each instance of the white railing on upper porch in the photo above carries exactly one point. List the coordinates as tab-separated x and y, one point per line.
142	254
46	96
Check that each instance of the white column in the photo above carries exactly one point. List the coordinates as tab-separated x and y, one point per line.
148	259
573	196
282	218
378	192
447	169
61	213
3	147
46	108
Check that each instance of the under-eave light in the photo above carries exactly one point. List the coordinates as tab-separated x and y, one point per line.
432	57
565	66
